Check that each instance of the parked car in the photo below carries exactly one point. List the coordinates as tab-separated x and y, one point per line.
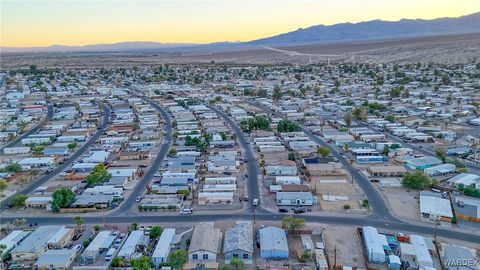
78	248
186	211
139	198
299	210
77	236
283	210
255	202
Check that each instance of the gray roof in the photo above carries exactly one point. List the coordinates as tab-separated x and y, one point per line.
273	238
422	161
239	237
205	237
37	240
454	253
294	195
56	257
86	199
129	247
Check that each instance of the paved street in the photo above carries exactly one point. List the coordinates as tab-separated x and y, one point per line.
61	167
125	207
251	165
343	220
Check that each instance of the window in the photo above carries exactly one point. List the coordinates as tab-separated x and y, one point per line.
235	255
195	256
205	256
245	255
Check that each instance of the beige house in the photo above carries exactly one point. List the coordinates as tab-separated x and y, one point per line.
325	169
204	246
386	171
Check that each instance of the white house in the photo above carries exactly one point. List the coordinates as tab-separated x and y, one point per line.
162	249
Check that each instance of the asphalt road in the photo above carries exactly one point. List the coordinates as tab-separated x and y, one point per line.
376	202
125	207
343	220
61	167
252	166
32	130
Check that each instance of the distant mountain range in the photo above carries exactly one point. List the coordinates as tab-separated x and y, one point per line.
318	34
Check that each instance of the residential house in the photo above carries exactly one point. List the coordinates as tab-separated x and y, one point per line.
273	243
205	244
238	243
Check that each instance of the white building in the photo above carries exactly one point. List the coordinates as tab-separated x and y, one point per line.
163	247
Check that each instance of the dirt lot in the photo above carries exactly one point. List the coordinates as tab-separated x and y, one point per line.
343	189
348	246
405	205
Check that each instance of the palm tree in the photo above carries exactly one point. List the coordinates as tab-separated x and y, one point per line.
19	222
237	263
79	221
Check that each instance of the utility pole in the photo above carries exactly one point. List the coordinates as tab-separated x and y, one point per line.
335	257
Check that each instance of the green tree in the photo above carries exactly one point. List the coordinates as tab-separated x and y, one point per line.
237	263
172	152
390	118
19	200
3	185
72	146
14	168
117	262
286	125
323	151
291	224
440	155
62	198
177	259
257	123
386	150
365	204
142	263
38	150
469	190
223	135
277	93
79	221
416	180
98	175
155	232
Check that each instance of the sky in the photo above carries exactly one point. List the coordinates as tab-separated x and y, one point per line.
80	22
